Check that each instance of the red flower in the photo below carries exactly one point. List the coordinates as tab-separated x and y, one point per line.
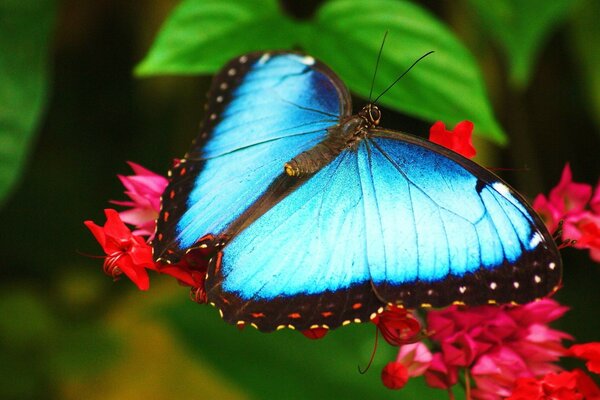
589	352
126	253
458	140
394	375
573	385
315	333
398	326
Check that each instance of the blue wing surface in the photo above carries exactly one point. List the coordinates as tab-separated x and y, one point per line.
397	220
264	110
303	260
444	229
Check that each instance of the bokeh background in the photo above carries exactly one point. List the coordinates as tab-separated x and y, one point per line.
68	332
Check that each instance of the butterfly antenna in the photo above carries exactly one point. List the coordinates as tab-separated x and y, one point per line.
377	65
404	73
364	371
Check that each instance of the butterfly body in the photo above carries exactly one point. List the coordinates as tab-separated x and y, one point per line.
319	217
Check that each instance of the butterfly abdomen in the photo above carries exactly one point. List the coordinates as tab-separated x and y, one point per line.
339	137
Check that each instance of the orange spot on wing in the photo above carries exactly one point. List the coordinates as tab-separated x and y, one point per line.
326	314
172	194
294	315
166	216
257	315
182	171
356	306
160	236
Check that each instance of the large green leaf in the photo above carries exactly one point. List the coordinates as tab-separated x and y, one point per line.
285	364
445	86
585	34
520	27
25	27
200	36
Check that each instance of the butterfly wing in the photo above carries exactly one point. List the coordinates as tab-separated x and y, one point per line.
303	263
264	109
397	220
442	229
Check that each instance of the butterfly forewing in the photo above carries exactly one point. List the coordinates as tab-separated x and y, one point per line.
447	230
264	109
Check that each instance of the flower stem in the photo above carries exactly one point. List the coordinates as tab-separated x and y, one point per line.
467	385
450	394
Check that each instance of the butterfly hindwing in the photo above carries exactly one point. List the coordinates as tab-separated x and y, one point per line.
263	110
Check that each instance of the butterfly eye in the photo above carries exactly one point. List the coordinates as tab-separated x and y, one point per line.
374	114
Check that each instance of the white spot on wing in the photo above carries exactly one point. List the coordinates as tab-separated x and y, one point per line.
501	188
307	60
535	240
265	57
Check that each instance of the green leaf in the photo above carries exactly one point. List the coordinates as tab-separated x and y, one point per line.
201	36
285	364
446	86
585	31
520	27
25	27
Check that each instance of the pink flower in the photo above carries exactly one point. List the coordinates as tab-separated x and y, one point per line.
495	373
416	357
126	253
584	228
595	201
439	375
144	189
547	211
570	197
498	344
458	139
569	202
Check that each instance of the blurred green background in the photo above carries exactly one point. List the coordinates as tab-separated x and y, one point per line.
72	112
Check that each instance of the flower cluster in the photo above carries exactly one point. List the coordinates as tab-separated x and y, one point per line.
574	204
506	351
129	252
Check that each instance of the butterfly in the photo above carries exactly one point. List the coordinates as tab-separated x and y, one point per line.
320	218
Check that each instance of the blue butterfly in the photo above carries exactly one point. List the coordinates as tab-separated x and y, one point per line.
321	218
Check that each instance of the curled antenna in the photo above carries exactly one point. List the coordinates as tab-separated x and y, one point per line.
404	73
377	65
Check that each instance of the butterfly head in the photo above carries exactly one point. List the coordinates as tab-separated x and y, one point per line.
371	114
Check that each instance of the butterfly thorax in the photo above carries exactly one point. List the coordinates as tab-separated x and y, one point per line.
347	134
